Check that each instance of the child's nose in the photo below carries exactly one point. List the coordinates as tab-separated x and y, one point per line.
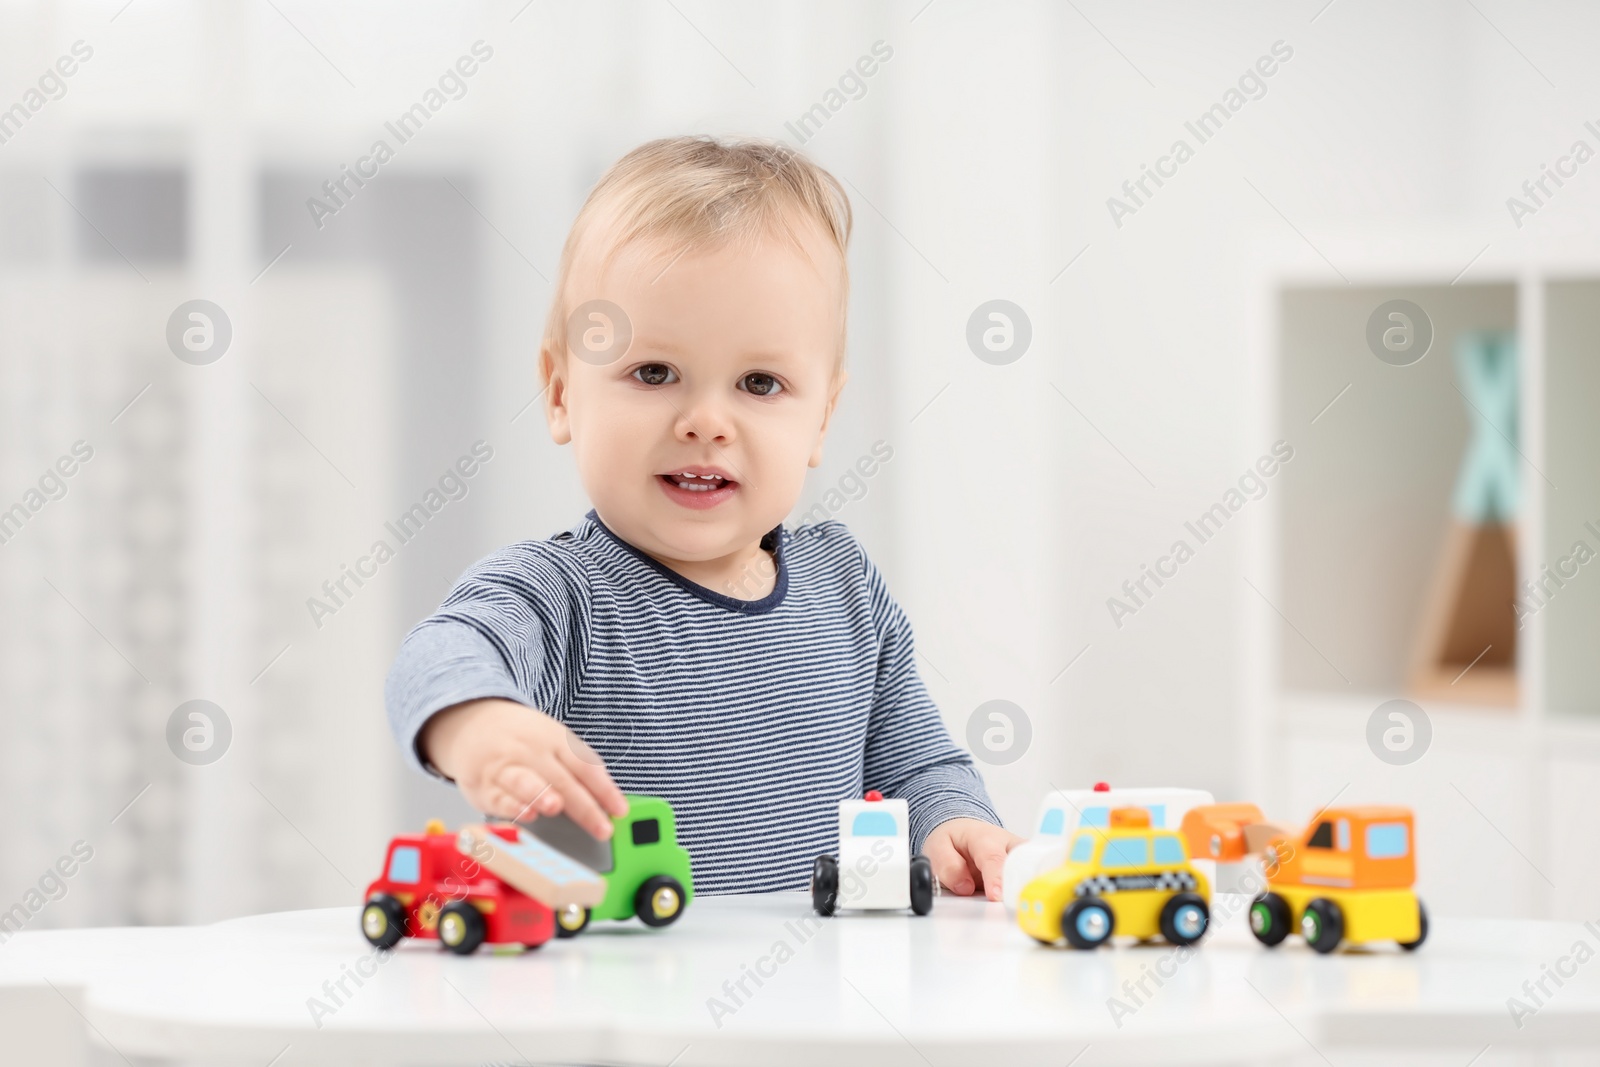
705	420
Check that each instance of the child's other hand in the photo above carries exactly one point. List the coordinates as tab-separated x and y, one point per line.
514	762
967	855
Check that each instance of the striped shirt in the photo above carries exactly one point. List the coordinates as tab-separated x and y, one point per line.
753	718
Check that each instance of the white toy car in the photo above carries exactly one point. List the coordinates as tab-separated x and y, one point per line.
1064	810
875	870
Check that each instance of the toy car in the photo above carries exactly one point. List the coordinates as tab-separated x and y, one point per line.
431	889
1129	879
525	863
646	871
1064	810
1347	879
879	872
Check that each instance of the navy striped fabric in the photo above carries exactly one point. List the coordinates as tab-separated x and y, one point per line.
752	718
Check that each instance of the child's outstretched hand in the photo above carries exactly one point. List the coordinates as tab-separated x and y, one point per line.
967	855
514	762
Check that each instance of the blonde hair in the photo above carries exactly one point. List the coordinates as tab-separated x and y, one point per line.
702	192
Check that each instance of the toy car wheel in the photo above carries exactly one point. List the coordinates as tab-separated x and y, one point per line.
1087	923
1422	930
1184	918
923	886
1322	925
571	920
659	901
461	928
1270	919
825	885
383	921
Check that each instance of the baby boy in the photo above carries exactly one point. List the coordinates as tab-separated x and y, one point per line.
679	640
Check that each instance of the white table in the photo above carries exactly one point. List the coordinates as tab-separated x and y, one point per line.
962	986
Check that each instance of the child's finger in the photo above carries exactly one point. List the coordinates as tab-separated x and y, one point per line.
949	866
532	792
587	766
495	802
989	856
578	804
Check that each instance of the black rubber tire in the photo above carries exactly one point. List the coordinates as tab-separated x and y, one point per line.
1178	904
923	887
649	903
825	886
1270	919
1070	917
461	927
388	921
1326	919
1422	930
563	931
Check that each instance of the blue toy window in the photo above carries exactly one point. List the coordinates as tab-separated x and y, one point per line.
1387	840
405	864
1169	850
1054	822
1127	852
1097	816
1342	827
1082	848
1158	815
873	824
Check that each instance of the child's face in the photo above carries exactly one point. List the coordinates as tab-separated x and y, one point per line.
695	442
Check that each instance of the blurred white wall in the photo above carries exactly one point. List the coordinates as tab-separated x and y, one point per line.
371	351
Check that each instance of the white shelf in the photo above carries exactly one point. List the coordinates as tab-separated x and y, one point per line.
1345	549
1320	711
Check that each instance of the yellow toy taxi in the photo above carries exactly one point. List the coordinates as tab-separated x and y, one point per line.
1346	880
1127	879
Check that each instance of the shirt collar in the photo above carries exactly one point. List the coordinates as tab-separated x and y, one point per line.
774	542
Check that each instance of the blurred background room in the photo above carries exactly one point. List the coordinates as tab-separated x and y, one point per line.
1341	345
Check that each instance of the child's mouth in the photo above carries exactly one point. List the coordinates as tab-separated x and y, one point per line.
697	487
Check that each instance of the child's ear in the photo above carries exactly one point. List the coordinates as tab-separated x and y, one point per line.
827	416
553	371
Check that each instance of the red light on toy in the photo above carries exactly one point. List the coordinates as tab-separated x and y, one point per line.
873	794
1102	787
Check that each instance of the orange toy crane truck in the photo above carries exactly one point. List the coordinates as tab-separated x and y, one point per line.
1348	878
1228	833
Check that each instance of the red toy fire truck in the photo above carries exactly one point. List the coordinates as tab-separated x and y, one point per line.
432	887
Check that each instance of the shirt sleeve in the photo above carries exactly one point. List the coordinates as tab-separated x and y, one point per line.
910	754
514	626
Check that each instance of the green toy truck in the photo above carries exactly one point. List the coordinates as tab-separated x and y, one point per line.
646	870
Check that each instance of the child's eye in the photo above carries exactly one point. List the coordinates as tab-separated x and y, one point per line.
759	384
655	374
